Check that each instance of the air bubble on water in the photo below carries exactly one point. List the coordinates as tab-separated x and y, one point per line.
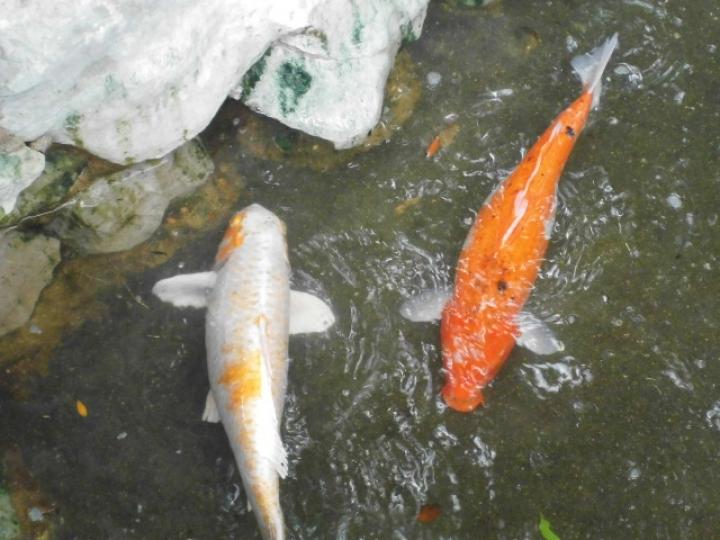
571	44
433	79
35	514
674	201
712	416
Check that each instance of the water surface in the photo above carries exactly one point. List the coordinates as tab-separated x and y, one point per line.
617	436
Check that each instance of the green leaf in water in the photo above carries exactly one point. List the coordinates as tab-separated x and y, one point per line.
545	529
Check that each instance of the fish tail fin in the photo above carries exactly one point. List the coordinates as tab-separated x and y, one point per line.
590	67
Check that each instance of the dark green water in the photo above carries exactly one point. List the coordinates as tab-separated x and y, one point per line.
616	437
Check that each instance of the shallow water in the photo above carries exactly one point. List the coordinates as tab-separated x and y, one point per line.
617	436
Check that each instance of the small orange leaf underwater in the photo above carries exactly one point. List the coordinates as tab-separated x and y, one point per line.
81	408
429	513
443	139
434	147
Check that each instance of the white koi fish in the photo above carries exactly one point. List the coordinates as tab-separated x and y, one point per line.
250	313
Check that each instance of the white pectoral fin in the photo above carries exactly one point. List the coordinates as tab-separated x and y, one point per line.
426	306
186	290
536	336
309	314
211	413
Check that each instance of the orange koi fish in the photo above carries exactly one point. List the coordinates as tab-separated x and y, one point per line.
481	318
250	313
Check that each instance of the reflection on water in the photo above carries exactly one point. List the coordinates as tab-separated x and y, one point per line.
617	436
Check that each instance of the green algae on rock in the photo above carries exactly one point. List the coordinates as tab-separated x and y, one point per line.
266	138
19	167
63	165
9	528
121	210
25	509
327	81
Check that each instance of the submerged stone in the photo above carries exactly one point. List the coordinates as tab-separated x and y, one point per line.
26	266
119	211
25	510
9	528
18	168
63	165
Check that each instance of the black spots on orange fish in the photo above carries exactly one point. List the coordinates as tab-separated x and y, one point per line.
502	285
570	131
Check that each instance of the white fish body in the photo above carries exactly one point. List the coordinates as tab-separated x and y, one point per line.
248	321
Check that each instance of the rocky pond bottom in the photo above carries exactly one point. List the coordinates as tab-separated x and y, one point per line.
616	436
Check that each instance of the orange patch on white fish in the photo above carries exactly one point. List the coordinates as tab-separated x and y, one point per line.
243	378
233	238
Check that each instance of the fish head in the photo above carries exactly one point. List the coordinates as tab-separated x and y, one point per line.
260	220
250	222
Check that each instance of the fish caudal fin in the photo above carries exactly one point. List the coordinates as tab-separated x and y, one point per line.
590	67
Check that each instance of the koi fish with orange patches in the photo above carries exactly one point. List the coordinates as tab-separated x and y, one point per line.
251	311
481	318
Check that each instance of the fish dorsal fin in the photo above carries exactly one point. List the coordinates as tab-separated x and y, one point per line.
309	314
186	290
427	306
211	413
536	336
277	454
590	66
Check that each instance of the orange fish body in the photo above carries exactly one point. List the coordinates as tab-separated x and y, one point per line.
502	254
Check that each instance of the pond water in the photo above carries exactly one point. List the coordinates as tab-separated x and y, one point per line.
617	436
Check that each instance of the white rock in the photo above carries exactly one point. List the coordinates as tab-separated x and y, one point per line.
26	267
329	81
130	81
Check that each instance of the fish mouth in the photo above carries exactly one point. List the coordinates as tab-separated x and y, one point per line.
461	398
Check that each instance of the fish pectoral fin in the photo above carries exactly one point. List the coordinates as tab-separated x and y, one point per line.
186	290
309	314
211	413
536	336
427	306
